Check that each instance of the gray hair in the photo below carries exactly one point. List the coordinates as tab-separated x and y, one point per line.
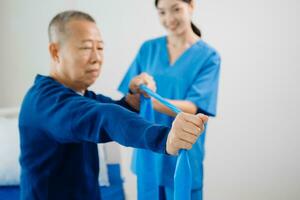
57	26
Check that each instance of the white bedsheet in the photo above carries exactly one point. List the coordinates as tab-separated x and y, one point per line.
9	151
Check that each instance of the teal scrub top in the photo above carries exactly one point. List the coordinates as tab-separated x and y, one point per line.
194	76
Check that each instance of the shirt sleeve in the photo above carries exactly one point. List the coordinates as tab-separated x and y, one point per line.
68	117
119	124
122	102
204	89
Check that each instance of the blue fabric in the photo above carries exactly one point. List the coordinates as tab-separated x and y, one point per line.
143	157
194	76
115	190
183	177
59	130
9	192
183	174
160	99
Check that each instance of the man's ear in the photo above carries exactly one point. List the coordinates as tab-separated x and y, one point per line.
53	50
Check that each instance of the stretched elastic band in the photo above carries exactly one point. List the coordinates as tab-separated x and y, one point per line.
160	99
183	172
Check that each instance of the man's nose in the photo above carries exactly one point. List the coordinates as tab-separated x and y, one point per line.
96	56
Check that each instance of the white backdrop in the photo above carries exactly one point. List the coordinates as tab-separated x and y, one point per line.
253	144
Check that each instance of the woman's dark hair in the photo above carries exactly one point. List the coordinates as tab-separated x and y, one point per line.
195	29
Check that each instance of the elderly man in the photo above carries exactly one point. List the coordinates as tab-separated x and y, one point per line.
61	120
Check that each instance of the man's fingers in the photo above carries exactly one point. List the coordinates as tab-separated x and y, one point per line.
181	144
192	128
188	137
186	129
203	117
197	120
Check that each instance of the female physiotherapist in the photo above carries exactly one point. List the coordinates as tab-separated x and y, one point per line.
186	72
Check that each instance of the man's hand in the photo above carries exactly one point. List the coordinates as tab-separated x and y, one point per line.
143	78
186	129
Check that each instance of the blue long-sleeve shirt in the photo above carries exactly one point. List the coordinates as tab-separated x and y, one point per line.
59	130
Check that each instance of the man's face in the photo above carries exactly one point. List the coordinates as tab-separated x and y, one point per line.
81	54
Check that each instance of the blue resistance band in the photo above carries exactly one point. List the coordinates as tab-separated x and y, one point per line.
183	172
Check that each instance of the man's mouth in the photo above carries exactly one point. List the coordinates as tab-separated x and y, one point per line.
94	72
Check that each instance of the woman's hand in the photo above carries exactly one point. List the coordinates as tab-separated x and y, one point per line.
143	78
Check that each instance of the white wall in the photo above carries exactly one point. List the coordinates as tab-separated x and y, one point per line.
252	146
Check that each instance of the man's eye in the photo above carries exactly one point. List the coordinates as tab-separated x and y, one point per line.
85	48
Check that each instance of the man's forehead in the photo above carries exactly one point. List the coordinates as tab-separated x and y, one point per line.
83	26
88	31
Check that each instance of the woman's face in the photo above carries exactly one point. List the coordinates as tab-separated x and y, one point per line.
175	15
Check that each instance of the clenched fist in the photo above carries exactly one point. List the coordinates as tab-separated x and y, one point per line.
186	129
